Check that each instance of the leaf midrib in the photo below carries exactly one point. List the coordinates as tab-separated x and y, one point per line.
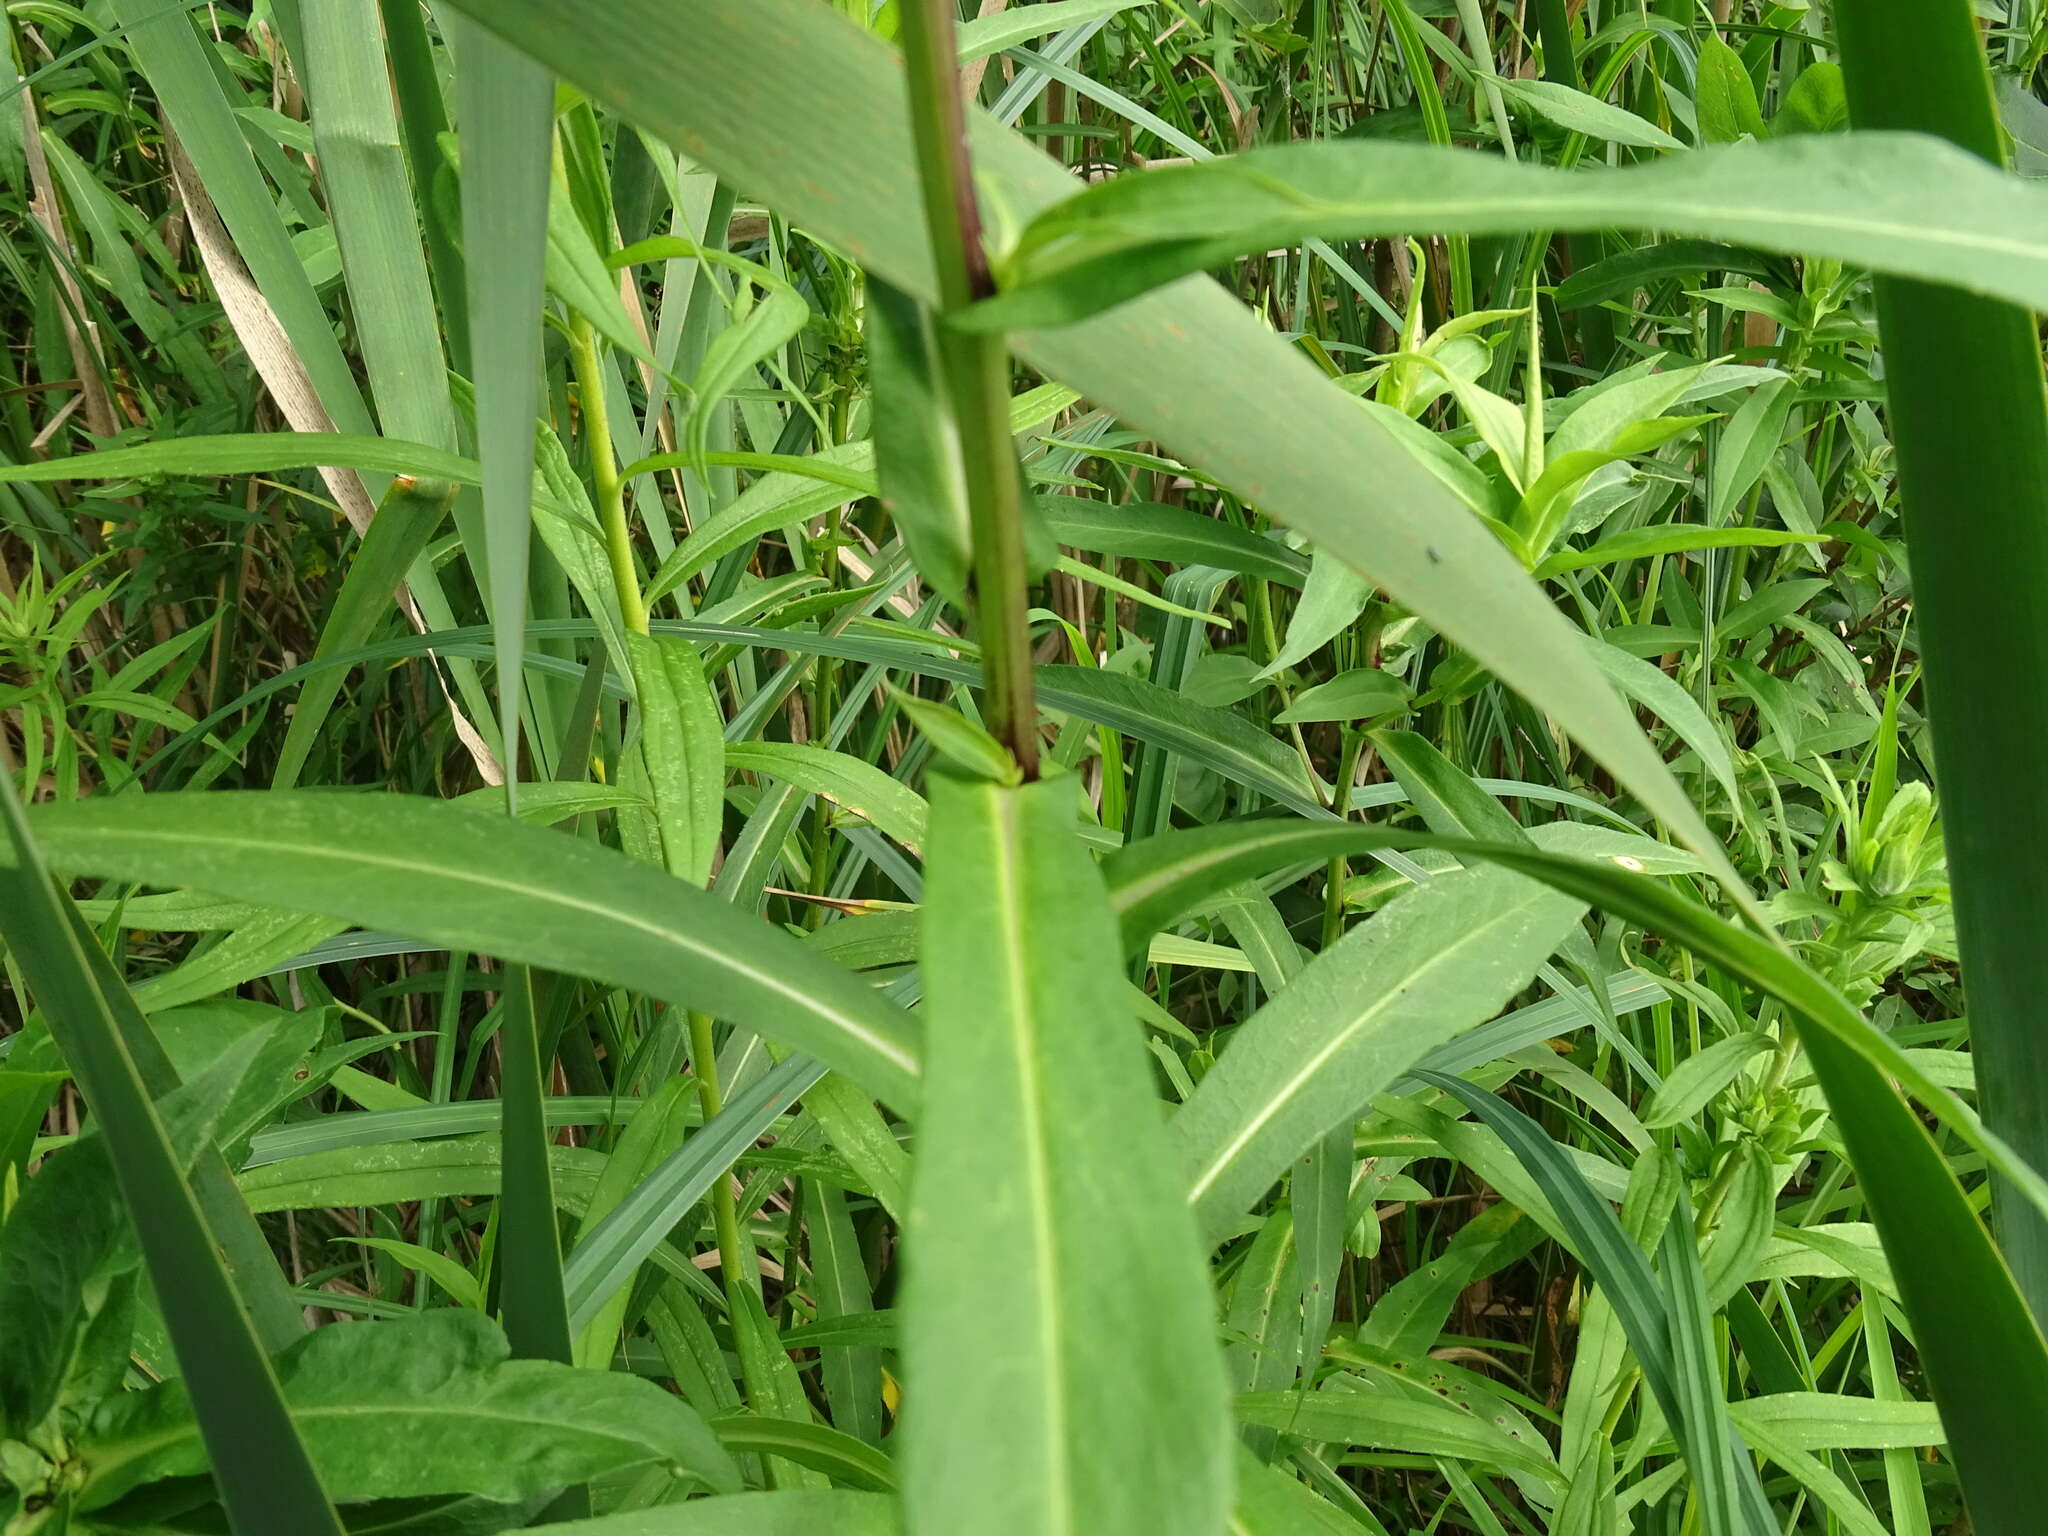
1012	915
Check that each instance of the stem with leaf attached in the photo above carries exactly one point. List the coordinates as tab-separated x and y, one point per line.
977	374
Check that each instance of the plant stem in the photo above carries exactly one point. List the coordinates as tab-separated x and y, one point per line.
725	1218
611	510
604	471
977	373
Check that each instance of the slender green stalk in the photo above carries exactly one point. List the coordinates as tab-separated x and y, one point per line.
604	472
977	372
611	507
725	1217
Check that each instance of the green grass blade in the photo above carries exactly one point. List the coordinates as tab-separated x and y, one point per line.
506	120
529	1258
406	519
1964	372
265	1475
606	1256
369	197
167	47
254	453
1059	1351
422	118
428	1405
1669	1349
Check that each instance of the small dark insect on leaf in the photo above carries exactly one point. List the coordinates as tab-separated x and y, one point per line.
1434	557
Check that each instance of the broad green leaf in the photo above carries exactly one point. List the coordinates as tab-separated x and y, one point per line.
1829	1421
1397	1421
1362	693
506	112
816	1446
29	1079
444	874
1434	963
1654	689
1574	110
1264	1321
682	742
993	33
355	134
63	1232
851	1374
1747	1217
1694	1081
1667	539
1146	530
960	741
1747	444
847	781
1726	98
1900	204
424	1405
1061	1368
252	453
386	1172
458	1282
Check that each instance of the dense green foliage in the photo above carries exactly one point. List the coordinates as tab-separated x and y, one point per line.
726	812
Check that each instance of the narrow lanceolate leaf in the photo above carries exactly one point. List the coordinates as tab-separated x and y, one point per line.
608	1254
1894	202
1963	372
406	519
355	132
447	875
1191	368
1439	960
1062	1374
506	119
266	1478
917	445
423	1406
683	745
